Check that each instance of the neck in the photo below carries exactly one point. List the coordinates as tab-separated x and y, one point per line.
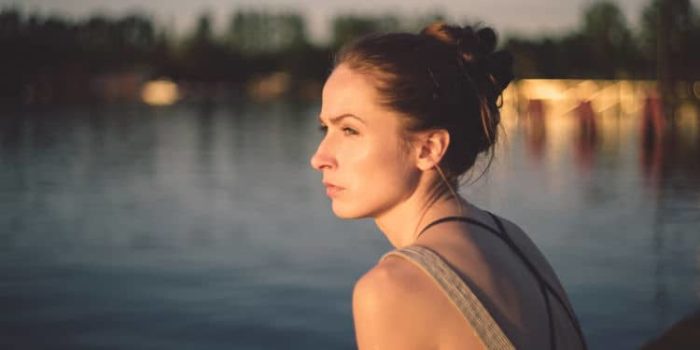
402	223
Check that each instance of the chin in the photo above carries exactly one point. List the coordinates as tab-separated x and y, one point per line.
346	212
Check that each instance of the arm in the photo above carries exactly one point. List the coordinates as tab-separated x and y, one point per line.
388	310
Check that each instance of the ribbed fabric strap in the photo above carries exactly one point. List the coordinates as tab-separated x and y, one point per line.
485	328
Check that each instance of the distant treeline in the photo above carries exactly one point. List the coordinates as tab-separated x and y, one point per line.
63	59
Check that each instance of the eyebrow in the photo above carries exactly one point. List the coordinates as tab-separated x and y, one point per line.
337	119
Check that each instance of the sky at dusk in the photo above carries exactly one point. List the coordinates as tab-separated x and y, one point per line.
531	17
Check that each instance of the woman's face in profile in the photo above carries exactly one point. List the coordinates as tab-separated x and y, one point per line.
367	164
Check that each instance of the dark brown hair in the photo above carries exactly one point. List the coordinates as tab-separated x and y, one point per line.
446	77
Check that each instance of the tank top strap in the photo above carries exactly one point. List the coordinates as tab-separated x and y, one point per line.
459	293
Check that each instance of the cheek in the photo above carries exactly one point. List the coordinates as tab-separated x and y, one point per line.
380	175
376	161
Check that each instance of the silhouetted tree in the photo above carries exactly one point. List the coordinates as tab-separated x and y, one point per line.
203	59
610	45
669	35
256	32
48	57
346	28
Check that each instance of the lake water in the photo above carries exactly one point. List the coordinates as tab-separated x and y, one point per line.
201	227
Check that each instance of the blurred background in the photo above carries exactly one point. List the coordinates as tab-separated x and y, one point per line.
155	190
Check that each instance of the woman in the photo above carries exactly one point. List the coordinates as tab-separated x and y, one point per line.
405	116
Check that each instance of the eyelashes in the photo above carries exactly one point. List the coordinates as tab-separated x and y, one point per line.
346	130
349	131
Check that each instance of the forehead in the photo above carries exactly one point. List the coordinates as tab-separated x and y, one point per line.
348	91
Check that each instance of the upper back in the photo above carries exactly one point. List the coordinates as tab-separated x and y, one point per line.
500	281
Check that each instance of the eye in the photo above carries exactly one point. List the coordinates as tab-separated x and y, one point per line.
323	129
349	131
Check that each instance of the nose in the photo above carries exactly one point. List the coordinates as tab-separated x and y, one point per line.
323	158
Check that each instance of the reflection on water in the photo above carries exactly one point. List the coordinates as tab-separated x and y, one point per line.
586	139
601	137
204	227
535	128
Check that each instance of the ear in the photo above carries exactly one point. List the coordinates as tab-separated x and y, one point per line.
431	146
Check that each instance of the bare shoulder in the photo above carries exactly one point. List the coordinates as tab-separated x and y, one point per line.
395	271
394	277
397	306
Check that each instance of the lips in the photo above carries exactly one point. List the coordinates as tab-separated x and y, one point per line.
331	189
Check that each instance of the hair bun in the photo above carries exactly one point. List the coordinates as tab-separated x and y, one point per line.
500	66
487	40
469	43
476	47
